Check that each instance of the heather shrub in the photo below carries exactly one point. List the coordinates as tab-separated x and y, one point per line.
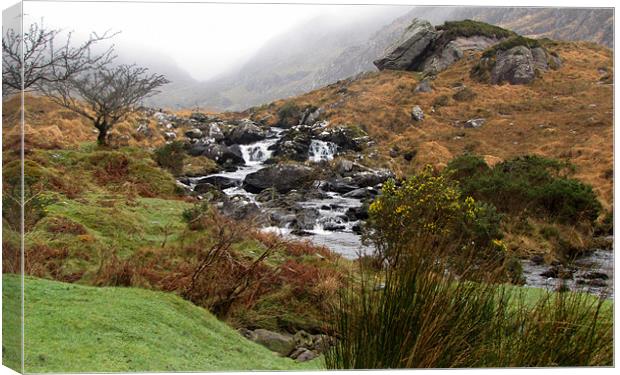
530	185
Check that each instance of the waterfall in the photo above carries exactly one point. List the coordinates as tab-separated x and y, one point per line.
320	150
255	153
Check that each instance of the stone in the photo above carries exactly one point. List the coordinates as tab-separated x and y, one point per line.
423	86
244	133
596	275
283	178
417	114
474	123
362	193
194	133
221	182
276	342
408	50
306	355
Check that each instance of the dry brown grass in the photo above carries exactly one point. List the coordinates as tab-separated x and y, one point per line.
565	114
50	126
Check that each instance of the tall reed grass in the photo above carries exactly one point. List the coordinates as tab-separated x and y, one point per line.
416	314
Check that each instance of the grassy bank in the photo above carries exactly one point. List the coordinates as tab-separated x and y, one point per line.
71	328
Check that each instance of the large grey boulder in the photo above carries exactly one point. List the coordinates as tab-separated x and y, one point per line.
515	66
244	133
407	51
283	178
453	51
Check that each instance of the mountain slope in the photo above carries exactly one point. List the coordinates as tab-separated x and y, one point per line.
564	114
325	50
72	328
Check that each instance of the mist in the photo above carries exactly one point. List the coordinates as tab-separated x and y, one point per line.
203	40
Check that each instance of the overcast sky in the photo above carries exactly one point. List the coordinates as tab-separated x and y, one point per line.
203	39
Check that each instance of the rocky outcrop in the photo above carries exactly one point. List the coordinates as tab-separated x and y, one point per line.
296	142
406	52
283	178
518	61
427	49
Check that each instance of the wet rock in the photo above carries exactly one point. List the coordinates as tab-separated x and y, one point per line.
220	182
357	213
333	226
341	185
362	193
244	133
194	133
346	138
556	272
357	229
594	282
283	178
306	218
596	275
294	144
537	260
301	233
417	114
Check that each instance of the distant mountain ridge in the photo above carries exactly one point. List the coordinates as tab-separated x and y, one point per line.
322	51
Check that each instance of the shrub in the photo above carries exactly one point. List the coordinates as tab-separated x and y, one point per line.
170	157
429	204
35	201
193	216
530	185
441	101
510	43
131	170
289	114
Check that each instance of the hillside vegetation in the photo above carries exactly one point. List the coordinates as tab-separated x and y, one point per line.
565	114
73	328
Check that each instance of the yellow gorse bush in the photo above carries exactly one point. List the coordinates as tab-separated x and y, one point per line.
427	205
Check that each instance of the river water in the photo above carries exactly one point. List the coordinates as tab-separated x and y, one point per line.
338	234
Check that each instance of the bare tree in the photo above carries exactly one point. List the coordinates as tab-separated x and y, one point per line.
45	58
105	95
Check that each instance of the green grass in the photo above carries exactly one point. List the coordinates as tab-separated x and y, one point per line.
125	225
72	328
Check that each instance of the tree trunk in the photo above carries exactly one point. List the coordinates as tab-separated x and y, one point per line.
103	134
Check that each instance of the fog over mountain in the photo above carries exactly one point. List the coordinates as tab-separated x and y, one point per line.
232	56
328	48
